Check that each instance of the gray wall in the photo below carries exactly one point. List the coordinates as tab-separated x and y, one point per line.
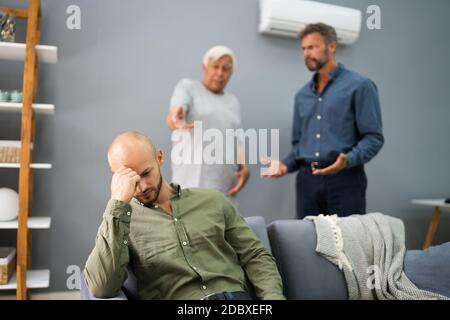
117	73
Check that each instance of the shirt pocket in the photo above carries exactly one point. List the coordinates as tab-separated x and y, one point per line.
207	232
154	251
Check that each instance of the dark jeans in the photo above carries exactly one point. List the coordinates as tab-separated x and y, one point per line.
343	193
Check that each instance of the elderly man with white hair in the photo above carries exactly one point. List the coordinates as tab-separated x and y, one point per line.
206	104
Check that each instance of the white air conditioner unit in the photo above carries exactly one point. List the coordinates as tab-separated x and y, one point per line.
289	17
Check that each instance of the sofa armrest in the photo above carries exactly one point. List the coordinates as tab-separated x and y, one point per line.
86	294
258	225
306	275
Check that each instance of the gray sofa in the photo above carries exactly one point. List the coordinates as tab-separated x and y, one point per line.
305	274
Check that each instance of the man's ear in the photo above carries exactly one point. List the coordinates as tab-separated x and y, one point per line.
332	47
160	157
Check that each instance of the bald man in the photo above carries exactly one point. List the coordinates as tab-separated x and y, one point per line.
180	243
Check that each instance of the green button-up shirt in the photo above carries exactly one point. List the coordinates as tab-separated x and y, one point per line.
204	247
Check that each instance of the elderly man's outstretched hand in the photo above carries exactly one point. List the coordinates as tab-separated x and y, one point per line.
176	120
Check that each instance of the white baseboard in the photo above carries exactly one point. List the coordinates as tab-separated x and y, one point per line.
58	295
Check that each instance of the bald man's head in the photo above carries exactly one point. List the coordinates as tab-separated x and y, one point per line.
135	151
131	149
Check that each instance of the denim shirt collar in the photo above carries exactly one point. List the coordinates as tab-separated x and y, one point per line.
333	75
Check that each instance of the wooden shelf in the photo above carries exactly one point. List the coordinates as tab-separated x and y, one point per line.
35	279
32	166
33	223
16	51
17	107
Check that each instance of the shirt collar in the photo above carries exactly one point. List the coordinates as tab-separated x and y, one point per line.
333	75
336	72
175	194
177	189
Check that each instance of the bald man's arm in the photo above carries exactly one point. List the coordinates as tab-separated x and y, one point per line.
105	269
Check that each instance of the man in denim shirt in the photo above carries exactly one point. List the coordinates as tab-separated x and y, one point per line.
337	129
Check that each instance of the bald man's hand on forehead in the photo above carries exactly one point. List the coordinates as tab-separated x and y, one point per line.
123	184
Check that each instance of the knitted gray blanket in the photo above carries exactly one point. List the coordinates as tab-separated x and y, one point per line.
370	250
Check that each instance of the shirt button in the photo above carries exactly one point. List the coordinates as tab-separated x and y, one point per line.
320	99
318	136
128	213
195	268
175	219
319	117
204	287
317	154
125	242
184	243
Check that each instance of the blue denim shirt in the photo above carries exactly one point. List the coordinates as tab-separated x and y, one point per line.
344	118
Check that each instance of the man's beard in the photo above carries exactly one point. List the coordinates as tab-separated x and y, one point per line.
157	190
319	63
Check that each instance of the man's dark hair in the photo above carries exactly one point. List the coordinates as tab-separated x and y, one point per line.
328	33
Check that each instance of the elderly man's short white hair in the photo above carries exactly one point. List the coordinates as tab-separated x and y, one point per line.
217	52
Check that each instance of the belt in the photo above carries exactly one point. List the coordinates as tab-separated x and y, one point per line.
313	165
235	295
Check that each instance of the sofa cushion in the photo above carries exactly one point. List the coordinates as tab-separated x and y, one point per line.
429	269
306	275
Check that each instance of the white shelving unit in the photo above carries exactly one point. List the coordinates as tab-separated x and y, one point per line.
16	52
43	54
432	202
39	108
11	143
33	223
16	144
35	279
32	165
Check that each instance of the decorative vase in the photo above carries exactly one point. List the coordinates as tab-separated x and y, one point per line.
9	204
